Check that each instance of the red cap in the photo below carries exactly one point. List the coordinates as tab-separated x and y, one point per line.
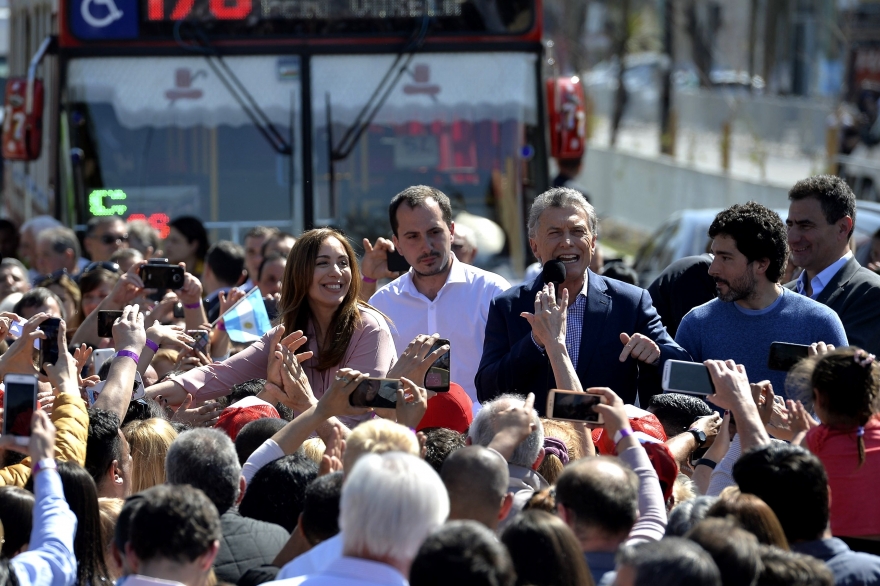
639	420
453	410
664	465
236	416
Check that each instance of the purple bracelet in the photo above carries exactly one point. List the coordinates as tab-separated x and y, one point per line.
192	305
130	354
367	279
152	345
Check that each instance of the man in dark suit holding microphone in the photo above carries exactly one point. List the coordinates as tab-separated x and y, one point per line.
611	329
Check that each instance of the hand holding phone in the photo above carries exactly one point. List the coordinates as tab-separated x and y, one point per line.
159	274
49	346
438	376
379	393
396	262
690	378
200	340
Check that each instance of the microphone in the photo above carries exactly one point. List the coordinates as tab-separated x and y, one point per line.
553	272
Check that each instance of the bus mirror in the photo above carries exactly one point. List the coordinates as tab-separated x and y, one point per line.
23	125
567	115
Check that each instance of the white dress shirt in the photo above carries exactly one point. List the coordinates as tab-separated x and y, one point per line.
458	313
347	571
818	283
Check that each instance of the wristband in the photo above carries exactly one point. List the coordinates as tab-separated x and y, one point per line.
152	345
621	433
47	464
130	354
221	325
367	279
706	462
192	305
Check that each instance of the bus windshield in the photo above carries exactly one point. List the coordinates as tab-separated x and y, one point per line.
465	123
164	136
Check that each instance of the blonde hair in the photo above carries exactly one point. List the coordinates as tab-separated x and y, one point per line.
313	448
149	440
109	509
378	436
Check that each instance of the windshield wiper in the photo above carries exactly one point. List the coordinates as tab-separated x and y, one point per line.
365	117
236	88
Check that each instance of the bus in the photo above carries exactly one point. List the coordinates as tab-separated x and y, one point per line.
287	113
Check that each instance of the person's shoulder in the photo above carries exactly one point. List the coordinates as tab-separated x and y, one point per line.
865	276
517	293
615	287
855	567
372	319
804	304
485	279
390	289
709	309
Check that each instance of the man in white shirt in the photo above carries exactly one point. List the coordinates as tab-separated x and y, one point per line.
821	218
439	294
390	503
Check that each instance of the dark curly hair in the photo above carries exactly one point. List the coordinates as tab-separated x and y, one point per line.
848	389
834	195
759	233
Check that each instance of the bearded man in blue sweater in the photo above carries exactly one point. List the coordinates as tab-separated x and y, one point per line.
752	310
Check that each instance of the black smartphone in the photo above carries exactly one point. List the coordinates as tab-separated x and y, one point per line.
574	406
397	263
177	312
691	378
376	392
49	346
19	403
106	319
784	356
161	275
201	339
437	377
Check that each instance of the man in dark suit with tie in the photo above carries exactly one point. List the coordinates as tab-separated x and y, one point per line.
611	330
821	217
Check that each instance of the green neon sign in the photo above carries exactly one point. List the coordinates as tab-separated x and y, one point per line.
97	206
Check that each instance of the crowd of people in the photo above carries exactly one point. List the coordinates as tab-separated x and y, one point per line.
249	462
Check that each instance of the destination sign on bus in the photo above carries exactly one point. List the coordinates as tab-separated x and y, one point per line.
165	10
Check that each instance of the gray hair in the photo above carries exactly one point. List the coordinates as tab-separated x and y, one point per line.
14	262
686	515
561	197
39	223
205	459
62	239
141	236
481	432
390	503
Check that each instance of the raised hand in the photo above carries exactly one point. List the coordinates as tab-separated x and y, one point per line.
549	320
417	359
374	264
412	403
64	374
128	330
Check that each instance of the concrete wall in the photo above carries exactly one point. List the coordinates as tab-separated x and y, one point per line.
643	192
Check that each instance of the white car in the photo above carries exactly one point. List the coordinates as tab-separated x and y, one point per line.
685	233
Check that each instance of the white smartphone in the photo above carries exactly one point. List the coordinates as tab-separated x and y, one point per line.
691	378
574	406
100	356
19	404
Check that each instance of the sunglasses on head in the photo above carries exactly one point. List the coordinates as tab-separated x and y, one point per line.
104	264
54	277
113	238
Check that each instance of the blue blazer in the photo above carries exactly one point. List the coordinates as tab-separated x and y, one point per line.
512	363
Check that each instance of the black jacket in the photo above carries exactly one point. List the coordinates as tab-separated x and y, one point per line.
246	543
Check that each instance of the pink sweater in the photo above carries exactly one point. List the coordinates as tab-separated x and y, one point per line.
370	350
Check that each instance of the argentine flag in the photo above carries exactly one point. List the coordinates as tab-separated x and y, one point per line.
247	320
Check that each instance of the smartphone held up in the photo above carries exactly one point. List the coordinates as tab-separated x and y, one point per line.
19	404
574	406
690	378
379	393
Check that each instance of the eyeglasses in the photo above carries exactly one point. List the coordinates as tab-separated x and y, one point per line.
104	264
113	238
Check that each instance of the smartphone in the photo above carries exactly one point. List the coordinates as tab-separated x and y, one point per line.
161	275
19	403
574	406
137	392
49	346
100	356
691	378
784	356
106	318
437	377
177	312
201	339
376	392
397	263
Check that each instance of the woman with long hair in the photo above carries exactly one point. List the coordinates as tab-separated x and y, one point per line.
752	514
545	552
846	385
95	283
82	497
149	440
319	299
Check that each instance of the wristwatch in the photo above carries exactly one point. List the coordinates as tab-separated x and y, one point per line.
699	435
